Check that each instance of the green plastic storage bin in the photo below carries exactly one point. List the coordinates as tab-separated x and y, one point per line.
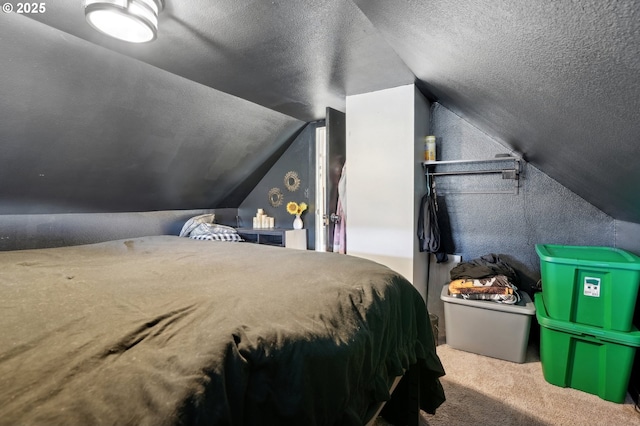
586	358
595	286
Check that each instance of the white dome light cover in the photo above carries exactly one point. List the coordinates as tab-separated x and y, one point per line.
134	21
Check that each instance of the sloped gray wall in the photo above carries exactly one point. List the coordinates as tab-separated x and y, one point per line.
544	212
557	80
85	130
628	236
299	157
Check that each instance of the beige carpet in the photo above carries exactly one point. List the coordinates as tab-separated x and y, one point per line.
488	391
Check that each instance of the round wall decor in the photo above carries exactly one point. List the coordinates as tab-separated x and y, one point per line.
292	181
275	197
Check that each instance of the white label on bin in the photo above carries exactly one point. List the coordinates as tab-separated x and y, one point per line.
592	286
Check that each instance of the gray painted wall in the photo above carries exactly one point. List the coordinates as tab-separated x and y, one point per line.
509	225
88	130
27	231
628	236
299	157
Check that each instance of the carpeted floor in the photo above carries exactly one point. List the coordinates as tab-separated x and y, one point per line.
488	391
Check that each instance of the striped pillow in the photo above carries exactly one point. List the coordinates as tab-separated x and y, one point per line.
218	237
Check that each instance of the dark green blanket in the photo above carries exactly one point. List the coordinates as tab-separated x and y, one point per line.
168	330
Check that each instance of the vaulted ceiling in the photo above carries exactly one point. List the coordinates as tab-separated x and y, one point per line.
557	81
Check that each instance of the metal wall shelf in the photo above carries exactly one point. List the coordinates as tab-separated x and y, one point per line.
506	173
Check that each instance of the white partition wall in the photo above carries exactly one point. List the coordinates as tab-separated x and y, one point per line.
385	133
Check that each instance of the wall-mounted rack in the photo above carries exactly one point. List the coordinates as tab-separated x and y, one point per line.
506	173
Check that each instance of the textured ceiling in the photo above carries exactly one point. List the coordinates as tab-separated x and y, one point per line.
557	81
295	57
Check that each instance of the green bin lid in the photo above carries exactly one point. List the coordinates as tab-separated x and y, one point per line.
631	338
605	257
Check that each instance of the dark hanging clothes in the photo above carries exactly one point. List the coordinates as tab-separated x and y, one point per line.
428	228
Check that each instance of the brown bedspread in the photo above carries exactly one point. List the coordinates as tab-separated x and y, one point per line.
168	330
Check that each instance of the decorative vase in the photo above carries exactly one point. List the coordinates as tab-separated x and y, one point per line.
297	222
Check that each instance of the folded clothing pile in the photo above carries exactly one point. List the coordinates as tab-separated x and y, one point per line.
485	278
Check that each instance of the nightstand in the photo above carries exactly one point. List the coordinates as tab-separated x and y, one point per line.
289	238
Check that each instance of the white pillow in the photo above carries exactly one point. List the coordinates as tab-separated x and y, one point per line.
192	223
210	229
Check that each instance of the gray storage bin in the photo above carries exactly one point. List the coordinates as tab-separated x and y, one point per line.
488	328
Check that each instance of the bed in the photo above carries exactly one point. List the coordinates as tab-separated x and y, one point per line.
167	330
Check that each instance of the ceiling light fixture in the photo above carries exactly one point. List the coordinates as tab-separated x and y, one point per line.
135	21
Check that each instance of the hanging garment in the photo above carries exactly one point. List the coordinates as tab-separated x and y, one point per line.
340	229
428	228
